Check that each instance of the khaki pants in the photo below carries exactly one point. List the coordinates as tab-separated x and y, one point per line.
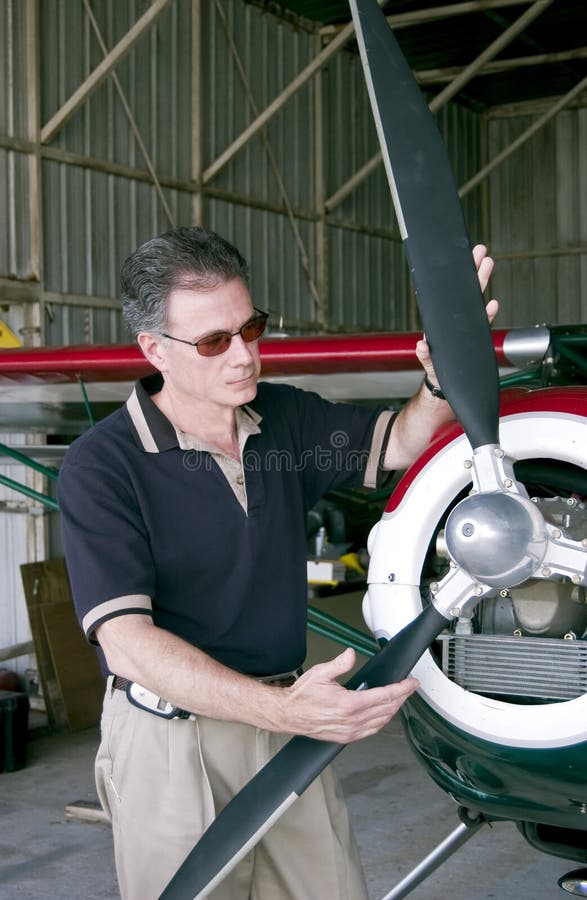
163	781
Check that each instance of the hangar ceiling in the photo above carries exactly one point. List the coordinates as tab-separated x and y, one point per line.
548	57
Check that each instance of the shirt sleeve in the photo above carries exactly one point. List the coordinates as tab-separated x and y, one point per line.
343	444
106	547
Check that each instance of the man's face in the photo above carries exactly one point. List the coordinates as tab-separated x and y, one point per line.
227	380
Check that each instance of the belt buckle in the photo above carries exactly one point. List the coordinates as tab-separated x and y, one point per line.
150	702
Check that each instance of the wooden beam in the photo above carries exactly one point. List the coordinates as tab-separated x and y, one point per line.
432	14
102	71
344	35
12	290
522	138
490	52
445	95
131	119
261	120
436	76
16	650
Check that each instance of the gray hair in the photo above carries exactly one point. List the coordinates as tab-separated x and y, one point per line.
189	258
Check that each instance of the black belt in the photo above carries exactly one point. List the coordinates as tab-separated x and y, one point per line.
285	680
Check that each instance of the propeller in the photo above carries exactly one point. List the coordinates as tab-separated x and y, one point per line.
252	812
431	222
457	330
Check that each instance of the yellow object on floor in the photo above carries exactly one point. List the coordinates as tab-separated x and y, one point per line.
351	560
7	337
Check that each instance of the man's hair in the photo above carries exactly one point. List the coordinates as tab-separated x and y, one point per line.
189	258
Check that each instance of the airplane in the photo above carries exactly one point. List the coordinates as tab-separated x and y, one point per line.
499	720
477	571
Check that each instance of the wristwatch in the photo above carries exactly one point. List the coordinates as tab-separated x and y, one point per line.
435	391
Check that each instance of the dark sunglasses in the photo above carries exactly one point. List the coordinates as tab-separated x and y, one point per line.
219	342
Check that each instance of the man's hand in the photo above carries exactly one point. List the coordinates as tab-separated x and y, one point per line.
484	265
318	706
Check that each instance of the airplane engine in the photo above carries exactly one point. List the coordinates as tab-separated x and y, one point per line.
500	719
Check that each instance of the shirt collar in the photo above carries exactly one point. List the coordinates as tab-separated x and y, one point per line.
154	433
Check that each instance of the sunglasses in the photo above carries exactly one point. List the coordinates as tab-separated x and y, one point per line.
219	342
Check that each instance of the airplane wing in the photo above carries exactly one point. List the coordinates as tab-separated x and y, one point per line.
50	388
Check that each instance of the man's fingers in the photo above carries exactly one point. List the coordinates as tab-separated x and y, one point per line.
492	309
483	264
392	693
318	706
345	660
330	670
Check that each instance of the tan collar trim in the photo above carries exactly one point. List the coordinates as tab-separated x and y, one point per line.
252	414
247	423
140	423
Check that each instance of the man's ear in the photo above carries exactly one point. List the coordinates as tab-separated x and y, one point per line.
153	349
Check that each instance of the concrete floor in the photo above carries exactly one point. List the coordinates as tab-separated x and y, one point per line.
398	813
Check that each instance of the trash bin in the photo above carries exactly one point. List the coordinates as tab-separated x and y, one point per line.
14	720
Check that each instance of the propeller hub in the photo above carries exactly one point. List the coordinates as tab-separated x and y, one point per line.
500	539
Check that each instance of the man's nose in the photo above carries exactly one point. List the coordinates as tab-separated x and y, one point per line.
240	351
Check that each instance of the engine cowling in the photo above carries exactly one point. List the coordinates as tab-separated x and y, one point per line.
500	719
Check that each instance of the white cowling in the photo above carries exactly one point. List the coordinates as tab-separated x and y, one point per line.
398	544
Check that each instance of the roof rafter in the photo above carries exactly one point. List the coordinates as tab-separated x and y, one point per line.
537	8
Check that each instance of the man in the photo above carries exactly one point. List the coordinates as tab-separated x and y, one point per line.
184	518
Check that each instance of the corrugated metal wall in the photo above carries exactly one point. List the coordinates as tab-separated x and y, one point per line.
15	251
93	218
14	628
366	266
96	200
21	539
538	219
275	169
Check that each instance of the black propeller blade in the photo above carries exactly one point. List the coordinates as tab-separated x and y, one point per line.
434	233
244	821
457	329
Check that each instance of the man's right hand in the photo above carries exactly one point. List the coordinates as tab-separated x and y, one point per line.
319	707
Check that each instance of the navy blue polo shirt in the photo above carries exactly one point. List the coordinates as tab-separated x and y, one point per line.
153	529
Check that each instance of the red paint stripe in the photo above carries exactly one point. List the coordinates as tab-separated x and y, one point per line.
571	400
